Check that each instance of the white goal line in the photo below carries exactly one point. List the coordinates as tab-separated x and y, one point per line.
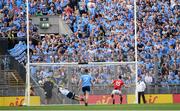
91	110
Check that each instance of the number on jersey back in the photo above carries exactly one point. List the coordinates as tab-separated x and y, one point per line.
118	84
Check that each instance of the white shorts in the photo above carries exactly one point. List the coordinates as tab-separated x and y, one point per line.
118	92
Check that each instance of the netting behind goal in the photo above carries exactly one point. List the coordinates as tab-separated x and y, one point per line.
68	76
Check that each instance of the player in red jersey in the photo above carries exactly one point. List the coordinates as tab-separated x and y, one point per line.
118	83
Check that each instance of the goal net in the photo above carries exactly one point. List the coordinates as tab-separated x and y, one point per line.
67	75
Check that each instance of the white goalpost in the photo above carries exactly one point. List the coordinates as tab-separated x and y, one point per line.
27	84
135	37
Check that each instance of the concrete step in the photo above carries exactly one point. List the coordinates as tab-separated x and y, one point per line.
14	78
9	85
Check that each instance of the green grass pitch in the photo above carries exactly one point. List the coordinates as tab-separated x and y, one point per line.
136	107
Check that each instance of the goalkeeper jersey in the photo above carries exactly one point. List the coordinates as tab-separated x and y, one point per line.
64	91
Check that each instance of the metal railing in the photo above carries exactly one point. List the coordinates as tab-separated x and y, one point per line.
8	62
9	66
163	89
7	90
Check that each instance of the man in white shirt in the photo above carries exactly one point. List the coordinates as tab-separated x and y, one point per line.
141	86
148	79
91	6
69	94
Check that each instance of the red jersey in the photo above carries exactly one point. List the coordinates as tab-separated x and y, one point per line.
118	84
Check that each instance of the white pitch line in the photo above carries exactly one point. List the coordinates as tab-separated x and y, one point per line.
91	110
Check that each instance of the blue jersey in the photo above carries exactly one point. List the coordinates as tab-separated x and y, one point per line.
86	80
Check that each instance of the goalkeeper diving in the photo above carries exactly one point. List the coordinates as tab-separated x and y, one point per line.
69	94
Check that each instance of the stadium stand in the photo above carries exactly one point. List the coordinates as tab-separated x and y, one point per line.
107	36
99	35
159	41
12	29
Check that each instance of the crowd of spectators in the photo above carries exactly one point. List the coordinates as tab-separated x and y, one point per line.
62	48
13	18
158	41
103	31
48	7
